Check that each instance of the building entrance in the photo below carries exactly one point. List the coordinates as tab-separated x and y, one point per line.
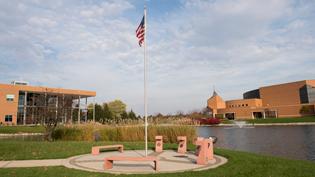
258	115
230	116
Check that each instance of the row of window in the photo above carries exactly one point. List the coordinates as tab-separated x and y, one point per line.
238	105
8	118
10	98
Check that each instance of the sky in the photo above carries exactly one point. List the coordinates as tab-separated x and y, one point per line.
192	45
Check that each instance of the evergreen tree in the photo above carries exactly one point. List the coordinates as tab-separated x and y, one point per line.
90	111
132	115
98	113
124	115
107	114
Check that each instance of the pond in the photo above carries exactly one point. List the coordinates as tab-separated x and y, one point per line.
296	142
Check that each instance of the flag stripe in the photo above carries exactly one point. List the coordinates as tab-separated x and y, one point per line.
140	36
140	32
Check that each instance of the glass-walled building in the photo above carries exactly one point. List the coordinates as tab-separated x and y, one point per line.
21	104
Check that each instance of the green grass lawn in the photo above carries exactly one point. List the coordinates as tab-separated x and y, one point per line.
22	129
225	121
241	164
282	120
23	150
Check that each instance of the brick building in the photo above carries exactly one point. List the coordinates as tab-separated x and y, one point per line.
293	99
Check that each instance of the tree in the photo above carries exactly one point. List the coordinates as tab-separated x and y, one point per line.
205	111
90	112
159	115
124	115
132	115
195	114
52	111
117	107
107	114
99	112
180	113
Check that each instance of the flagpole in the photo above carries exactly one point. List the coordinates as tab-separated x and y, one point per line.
145	83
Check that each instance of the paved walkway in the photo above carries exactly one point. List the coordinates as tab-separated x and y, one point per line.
169	161
32	163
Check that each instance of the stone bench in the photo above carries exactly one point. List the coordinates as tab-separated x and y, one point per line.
96	149
108	161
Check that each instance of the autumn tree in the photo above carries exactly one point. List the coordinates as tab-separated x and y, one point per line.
117	108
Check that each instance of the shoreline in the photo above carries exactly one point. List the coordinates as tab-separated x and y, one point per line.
20	134
219	125
258	124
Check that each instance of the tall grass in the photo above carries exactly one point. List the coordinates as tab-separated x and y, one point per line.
91	132
165	120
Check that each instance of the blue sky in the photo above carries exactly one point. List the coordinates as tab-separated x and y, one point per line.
236	45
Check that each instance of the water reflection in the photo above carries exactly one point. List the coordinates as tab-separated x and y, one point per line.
287	141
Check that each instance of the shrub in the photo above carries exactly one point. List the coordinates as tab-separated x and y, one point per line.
307	109
67	133
209	121
220	116
213	121
75	133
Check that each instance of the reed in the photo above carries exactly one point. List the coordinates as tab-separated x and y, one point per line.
91	132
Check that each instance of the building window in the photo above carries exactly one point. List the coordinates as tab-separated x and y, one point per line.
246	104
8	118
242	105
10	97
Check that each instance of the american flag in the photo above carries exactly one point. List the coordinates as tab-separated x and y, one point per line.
140	32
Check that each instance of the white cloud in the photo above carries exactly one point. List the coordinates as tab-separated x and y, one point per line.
234	45
42	22
106	9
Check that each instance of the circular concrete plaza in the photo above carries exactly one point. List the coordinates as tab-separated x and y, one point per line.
169	161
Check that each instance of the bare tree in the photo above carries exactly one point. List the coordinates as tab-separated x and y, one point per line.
50	110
